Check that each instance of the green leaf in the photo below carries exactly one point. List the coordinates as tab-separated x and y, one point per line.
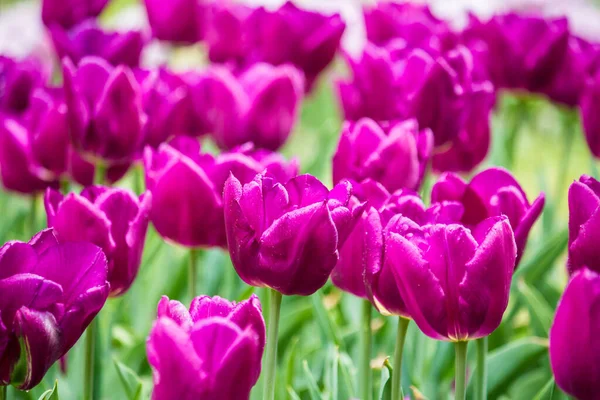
386	382
313	388
293	394
329	328
50	394
539	263
510	361
132	384
540	312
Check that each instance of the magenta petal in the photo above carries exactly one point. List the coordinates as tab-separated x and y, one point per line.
176	311
16	258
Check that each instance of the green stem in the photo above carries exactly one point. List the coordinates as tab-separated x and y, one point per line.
3	392
460	369
397	374
481	378
100	174
364	373
271	356
89	359
193	272
35	200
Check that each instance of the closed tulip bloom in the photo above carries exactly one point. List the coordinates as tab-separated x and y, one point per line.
584	217
105	111
575	337
179	21
212	351
287	236
50	293
454	281
492	192
260	106
395	156
67	13
187	187
88	39
113	219
18	79
589	116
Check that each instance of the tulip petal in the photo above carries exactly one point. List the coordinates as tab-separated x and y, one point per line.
176	311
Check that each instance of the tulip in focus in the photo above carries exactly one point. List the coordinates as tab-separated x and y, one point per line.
575	337
492	192
395	156
287	236
187	187
584	220
113	219
51	291
67	13
178	21
212	351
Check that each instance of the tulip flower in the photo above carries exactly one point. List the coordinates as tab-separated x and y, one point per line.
18	79
187	187
88	39
590	120
67	13
50	293
261	106
105	112
113	219
575	337
492	192
396	156
212	351
522	51
584	202
288	35
179	21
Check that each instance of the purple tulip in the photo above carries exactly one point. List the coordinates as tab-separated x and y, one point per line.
105	111
575	337
287	236
521	51
490	193
18	79
67	13
590	119
88	39
113	219
584	219
212	351
187	187
455	282
167	102
50	293
407	25
261	106
180	21
395	156
289	35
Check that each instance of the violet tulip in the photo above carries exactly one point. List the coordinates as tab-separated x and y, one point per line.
492	192
50	293
187	187
179	21
212	351
18	79
261	106
105	111
286	236
67	13
113	219
395	156
575	337
584	218
589	116
88	39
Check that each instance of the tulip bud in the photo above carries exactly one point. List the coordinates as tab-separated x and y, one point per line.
492	192
67	13
589	117
113	219
261	106
287	236
50	293
180	21
88	39
18	79
187	187
395	157
212	351
575	337
104	110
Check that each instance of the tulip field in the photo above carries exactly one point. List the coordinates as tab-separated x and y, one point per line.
228	201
